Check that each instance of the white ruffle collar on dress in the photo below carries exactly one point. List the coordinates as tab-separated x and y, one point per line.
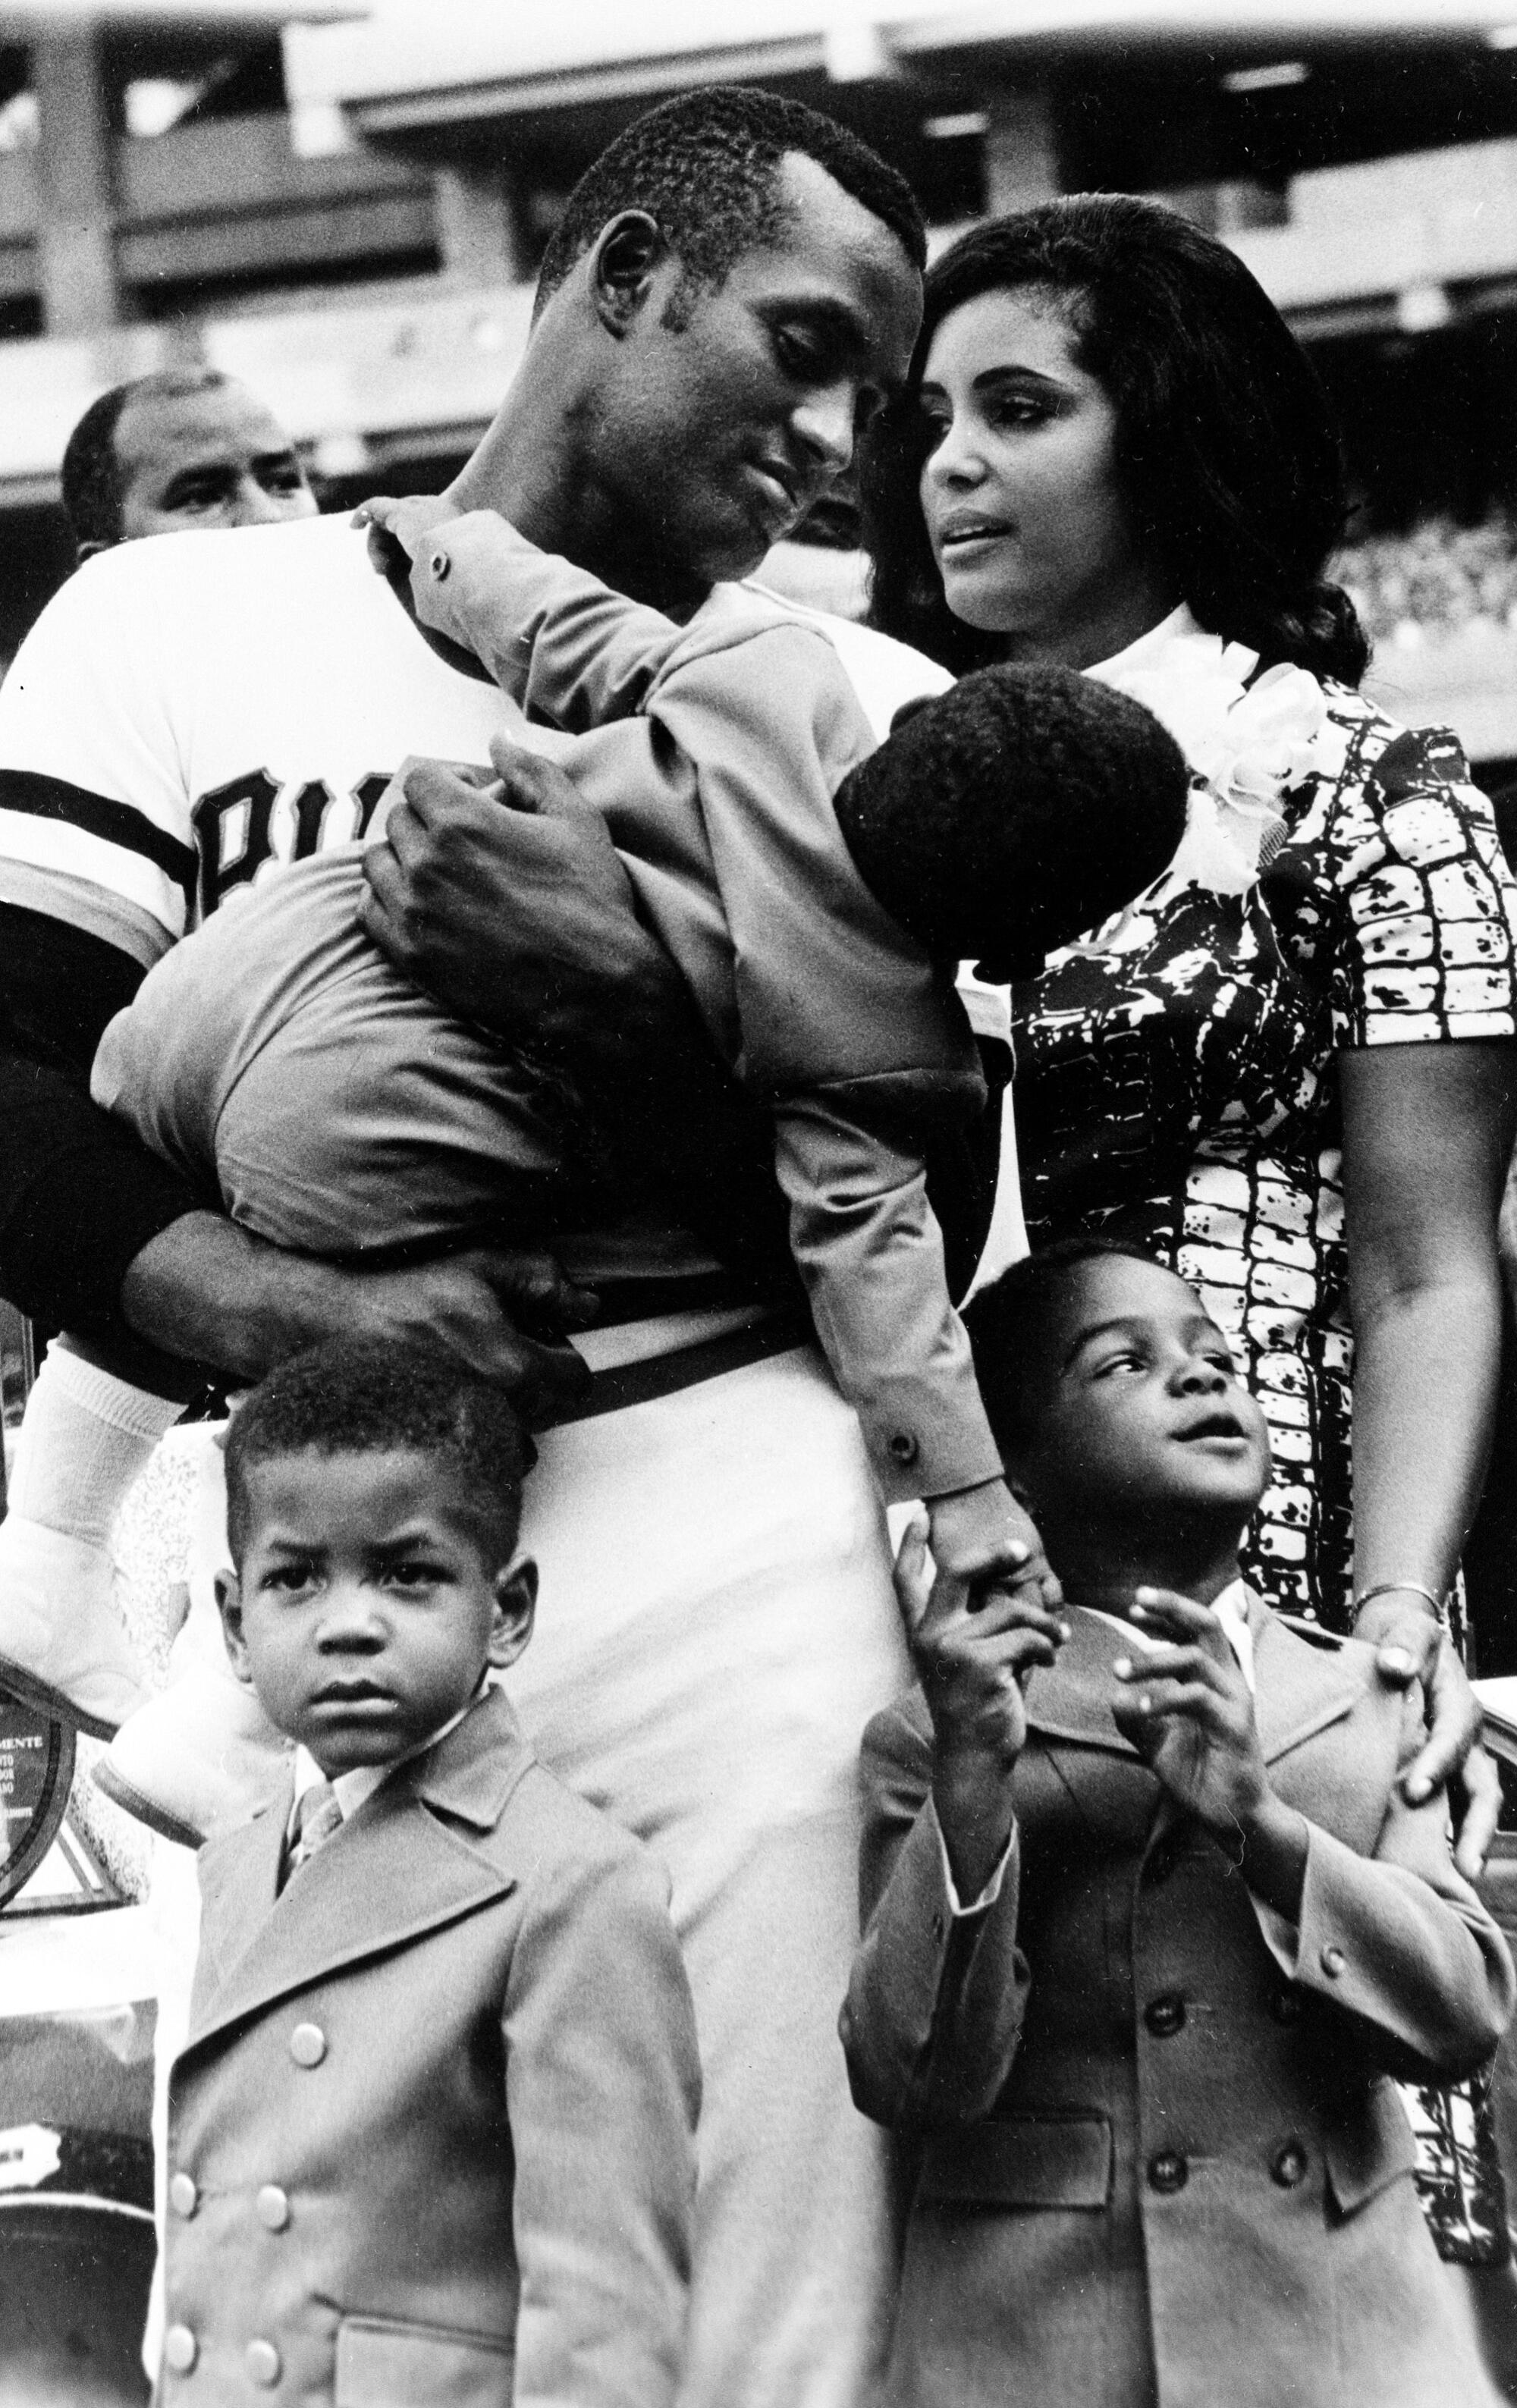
1247	745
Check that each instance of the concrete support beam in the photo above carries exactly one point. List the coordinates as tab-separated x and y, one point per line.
1022	161
76	245
477	230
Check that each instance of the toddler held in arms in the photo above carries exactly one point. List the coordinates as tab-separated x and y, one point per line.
816	893
432	2133
1150	1926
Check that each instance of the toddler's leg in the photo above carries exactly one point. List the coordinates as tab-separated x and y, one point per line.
85	1437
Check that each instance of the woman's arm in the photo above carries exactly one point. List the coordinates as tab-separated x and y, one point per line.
1426	1133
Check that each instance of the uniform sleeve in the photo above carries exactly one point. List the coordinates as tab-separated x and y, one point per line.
870	1253
94	823
603	2092
98	876
1426	905
934	2013
1400	1942
79	1198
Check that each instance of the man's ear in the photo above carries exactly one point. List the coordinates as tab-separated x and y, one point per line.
229	1605
621	268
516	1607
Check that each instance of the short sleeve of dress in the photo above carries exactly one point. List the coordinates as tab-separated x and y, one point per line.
1428	925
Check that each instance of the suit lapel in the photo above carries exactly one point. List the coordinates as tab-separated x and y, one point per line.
239	1874
1302	1689
1067	1700
391	1874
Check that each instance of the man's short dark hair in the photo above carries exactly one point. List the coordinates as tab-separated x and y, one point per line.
1011	1321
705	166
93	491
365	1397
1015	811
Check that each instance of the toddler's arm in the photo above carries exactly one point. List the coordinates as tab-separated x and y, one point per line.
1398	1941
871	1253
563	646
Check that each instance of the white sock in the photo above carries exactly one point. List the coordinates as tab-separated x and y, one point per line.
84	1439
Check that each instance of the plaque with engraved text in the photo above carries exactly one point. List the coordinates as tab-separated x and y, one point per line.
36	1767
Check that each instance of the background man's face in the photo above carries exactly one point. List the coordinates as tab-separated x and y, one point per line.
720	431
210	459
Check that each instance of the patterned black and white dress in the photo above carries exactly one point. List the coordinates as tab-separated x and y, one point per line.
1176	1085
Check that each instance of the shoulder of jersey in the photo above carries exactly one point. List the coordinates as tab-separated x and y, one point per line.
213	557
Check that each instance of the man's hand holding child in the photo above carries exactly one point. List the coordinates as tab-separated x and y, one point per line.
974	1649
1187	1707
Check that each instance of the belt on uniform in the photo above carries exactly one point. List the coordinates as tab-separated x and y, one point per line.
615	1389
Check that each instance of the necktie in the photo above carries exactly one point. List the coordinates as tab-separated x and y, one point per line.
318	1814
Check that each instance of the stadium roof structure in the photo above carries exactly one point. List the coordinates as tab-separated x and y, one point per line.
405	64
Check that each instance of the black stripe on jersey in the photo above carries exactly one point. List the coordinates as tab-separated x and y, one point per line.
54	798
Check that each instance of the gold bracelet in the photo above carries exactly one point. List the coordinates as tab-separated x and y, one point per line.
1402	1588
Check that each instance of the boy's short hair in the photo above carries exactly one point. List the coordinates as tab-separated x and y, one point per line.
1015	811
1010	1323
365	1395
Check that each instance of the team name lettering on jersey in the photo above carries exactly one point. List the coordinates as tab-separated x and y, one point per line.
253	819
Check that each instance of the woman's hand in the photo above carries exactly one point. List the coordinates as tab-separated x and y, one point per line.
1188	1709
1424	1289
973	1658
1410	1647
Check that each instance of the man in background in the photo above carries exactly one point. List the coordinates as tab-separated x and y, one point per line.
186	449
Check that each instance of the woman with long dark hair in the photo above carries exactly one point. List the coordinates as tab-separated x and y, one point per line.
1286	1070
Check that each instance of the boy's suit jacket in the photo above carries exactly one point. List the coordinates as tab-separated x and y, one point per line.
432	2134
1161	2159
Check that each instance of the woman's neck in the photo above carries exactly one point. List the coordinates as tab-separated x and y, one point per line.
1100	632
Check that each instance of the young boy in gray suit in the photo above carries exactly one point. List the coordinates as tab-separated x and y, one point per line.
1150	1925
432	2134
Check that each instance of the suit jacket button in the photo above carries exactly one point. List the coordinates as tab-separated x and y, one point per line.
1165	2015
1333	1961
307	2044
273	2208
1288	2166
180	2349
183	2195
1168	2170
263	2363
903	1447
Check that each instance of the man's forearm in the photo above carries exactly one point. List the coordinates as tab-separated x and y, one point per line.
205	1292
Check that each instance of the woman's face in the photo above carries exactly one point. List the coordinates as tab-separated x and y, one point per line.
1019	489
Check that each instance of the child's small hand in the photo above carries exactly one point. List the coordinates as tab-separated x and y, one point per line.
408	521
973	1658
1187	1709
982	1537
1189	1712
